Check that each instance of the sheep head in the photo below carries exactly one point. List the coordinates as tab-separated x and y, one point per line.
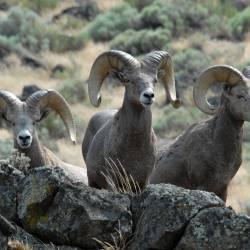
23	116
139	78
235	95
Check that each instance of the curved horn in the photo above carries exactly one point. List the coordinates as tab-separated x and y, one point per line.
246	72
158	61
52	99
103	65
215	74
7	99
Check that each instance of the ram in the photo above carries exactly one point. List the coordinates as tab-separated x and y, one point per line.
208	154
126	135
23	116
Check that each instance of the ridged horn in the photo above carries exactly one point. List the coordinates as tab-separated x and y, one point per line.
158	61
112	60
43	99
223	74
8	100
246	72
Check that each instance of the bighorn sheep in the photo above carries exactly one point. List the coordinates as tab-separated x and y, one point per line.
208	154
125	135
23	116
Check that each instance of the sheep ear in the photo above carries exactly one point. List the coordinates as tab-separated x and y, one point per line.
227	91
120	76
44	114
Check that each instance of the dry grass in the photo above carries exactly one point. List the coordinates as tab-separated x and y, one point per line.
246	54
118	179
107	4
4	134
120	241
238	192
17	245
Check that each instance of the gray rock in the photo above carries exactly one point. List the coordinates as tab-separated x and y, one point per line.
65	212
162	213
9	184
3	241
217	229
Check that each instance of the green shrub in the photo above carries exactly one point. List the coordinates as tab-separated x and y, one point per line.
172	122
6	147
179	16
111	23
241	23
188	64
22	27
218	27
140	42
73	90
51	127
25	27
154	16
140	4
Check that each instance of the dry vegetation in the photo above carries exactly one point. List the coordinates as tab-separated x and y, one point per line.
78	63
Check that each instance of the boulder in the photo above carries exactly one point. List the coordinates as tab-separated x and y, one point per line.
162	213
63	211
10	178
217	228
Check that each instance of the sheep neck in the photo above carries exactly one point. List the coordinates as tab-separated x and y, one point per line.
35	152
227	136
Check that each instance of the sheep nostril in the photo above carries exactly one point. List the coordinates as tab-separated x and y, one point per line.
149	95
27	137
24	138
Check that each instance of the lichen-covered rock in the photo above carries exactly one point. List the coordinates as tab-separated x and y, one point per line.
217	228
9	184
162	213
62	211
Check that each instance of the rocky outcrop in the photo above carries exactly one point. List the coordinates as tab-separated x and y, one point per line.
48	209
62	211
162	213
10	178
216	228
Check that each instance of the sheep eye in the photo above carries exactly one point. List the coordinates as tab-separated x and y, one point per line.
125	80
13	124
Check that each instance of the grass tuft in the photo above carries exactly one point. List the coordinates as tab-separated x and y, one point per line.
17	245
118	179
119	241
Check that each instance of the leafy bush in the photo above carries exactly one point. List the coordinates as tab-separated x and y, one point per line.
154	16
140	42
241	23
73	90
177	16
188	64
140	4
218	27
24	27
110	24
175	121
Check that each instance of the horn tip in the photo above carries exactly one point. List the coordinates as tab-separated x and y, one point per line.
96	102
176	103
